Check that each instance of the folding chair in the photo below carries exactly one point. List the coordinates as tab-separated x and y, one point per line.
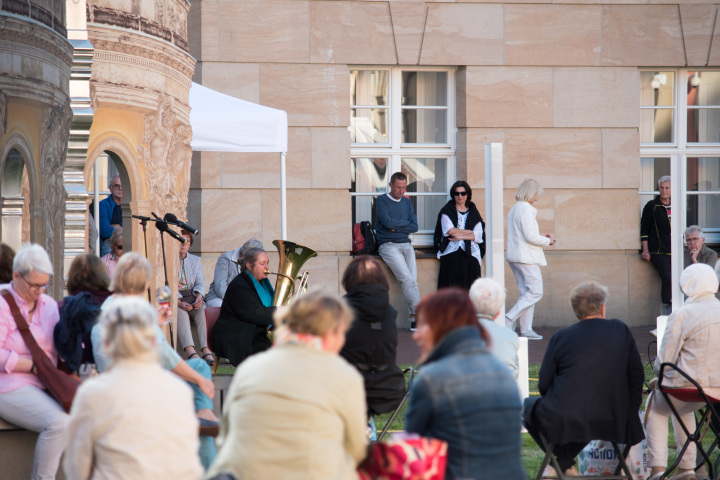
402	402
552	459
696	394
211	316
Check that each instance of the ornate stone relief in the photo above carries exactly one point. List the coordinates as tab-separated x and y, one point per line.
3	113
166	155
54	134
145	56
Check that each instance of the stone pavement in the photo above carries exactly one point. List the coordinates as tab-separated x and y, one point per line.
408	352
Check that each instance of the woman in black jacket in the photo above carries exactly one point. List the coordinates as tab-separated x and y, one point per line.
459	239
246	312
371	341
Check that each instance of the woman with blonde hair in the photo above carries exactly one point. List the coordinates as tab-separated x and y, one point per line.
525	256
137	418
298	409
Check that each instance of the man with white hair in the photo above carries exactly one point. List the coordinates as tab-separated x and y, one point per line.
488	298
696	251
110	214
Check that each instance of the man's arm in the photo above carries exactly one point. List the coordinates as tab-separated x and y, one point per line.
106	230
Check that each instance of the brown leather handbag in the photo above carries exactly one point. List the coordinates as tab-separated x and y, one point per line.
61	385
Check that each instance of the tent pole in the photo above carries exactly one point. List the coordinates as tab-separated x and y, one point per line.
283	198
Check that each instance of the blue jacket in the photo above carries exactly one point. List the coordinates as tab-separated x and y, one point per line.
394	220
107	211
468	398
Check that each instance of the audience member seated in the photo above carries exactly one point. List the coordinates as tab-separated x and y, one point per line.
23	400
692	342
190	302
116	251
695	249
371	343
247	311
464	395
135	421
488	298
7	254
586	393
132	279
297	410
88	284
226	269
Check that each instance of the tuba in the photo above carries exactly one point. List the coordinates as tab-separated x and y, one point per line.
289	283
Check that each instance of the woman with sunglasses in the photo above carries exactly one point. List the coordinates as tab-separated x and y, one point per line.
116	251
459	239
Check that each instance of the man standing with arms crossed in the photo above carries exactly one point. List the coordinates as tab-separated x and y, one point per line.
395	221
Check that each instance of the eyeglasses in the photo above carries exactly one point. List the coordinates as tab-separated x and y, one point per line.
117	186
36	286
459	194
119	247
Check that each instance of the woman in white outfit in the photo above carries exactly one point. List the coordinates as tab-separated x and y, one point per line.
525	256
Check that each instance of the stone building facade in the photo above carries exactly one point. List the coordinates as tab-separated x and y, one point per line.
581	94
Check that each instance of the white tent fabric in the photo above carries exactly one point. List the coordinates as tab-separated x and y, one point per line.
221	123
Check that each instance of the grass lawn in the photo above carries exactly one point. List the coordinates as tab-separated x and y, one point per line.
532	456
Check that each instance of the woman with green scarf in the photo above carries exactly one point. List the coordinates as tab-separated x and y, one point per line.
246	312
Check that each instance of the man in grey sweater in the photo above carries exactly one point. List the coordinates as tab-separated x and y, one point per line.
394	223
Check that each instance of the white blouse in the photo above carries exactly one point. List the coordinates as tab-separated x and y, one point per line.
455	245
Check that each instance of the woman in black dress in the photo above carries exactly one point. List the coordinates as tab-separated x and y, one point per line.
459	239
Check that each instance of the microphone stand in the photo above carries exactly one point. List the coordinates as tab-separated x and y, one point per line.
143	222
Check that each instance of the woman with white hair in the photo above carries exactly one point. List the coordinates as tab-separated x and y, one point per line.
525	256
136	420
23	400
692	342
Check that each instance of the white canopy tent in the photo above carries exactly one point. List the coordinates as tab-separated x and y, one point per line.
221	123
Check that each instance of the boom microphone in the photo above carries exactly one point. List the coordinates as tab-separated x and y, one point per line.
170	218
163	227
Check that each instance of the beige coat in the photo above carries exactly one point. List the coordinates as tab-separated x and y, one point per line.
293	412
692	341
135	421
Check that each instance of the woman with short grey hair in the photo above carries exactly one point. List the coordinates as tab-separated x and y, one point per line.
655	240
134	397
227	268
23	400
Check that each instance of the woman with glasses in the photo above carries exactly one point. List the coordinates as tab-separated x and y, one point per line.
459	239
525	256
191	306
116	251
23	400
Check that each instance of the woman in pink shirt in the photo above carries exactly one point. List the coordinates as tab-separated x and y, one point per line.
23	400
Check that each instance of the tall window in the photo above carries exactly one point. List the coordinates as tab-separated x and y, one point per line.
402	119
680	119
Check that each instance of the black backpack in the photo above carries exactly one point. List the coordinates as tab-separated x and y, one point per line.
364	242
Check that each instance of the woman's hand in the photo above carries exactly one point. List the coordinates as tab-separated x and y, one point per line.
646	256
184	306
207	387
198	302
164	314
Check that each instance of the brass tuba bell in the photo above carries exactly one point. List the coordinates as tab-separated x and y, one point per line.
292	257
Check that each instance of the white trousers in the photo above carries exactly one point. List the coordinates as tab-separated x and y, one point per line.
656	431
400	258
34	410
530	284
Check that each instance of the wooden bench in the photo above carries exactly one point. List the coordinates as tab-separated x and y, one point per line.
17	449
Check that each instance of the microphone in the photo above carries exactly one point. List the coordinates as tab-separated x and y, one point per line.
163	227
170	218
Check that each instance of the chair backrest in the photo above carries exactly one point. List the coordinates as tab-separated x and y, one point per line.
696	394
211	316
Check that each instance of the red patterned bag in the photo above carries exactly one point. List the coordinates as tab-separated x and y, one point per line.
405	457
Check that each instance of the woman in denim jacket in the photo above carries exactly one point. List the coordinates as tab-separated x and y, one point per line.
464	395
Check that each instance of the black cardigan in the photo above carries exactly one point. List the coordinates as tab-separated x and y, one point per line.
242	315
655	227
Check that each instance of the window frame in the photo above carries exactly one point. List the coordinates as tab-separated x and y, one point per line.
395	150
